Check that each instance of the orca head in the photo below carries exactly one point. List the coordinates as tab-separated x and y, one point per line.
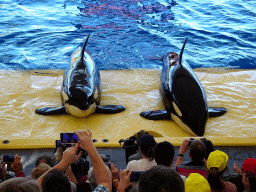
79	103
79	98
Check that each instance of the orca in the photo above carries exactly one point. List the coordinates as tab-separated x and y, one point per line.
81	89
183	96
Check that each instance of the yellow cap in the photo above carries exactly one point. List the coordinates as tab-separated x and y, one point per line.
217	159
197	183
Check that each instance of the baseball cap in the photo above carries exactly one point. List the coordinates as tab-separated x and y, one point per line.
197	183
147	140
249	165
217	159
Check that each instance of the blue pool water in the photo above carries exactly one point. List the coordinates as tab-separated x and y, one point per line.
41	34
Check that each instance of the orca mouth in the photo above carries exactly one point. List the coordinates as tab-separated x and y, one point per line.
78	105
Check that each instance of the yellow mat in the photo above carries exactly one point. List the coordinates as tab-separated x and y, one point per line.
24	91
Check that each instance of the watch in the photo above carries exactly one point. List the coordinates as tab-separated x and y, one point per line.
181	155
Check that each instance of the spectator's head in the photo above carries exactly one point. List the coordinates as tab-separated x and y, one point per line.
104	158
197	151
92	179
216	165
140	134
161	178
19	184
40	170
55	180
197	183
164	153
249	167
58	154
217	160
147	144
209	147
45	159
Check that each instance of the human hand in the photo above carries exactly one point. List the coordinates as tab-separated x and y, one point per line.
2	170
114	171
236	169
85	138
245	181
70	156
184	146
124	180
16	165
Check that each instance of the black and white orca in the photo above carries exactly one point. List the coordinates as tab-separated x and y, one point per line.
81	88
183	96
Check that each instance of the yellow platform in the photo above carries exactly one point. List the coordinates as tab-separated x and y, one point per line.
24	91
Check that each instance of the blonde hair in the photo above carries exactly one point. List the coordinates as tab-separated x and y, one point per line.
19	184
40	170
58	154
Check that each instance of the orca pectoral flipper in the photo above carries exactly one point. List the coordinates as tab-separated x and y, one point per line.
216	111
51	110
110	109
156	115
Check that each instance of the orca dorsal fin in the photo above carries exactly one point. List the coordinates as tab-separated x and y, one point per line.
181	52
85	43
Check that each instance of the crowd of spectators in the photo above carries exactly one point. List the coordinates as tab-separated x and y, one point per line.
151	169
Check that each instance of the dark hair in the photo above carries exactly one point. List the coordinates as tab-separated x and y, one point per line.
215	179
19	184
140	134
161	178
197	150
164	153
148	151
48	160
209	147
55	180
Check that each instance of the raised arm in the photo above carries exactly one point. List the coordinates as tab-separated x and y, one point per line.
183	148
100	170
69	157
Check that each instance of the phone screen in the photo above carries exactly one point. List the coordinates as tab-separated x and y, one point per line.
8	159
68	138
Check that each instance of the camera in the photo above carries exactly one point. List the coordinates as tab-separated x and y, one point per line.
69	138
108	165
136	175
191	140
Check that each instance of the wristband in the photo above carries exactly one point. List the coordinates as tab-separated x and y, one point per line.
180	155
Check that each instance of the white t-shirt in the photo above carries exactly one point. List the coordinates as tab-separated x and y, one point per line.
141	165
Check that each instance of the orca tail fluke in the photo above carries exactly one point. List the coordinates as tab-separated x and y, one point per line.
181	52
85	43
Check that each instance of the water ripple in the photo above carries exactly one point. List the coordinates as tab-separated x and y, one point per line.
41	34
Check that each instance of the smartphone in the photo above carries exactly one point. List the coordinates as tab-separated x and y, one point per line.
68	138
8	159
136	175
63	145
